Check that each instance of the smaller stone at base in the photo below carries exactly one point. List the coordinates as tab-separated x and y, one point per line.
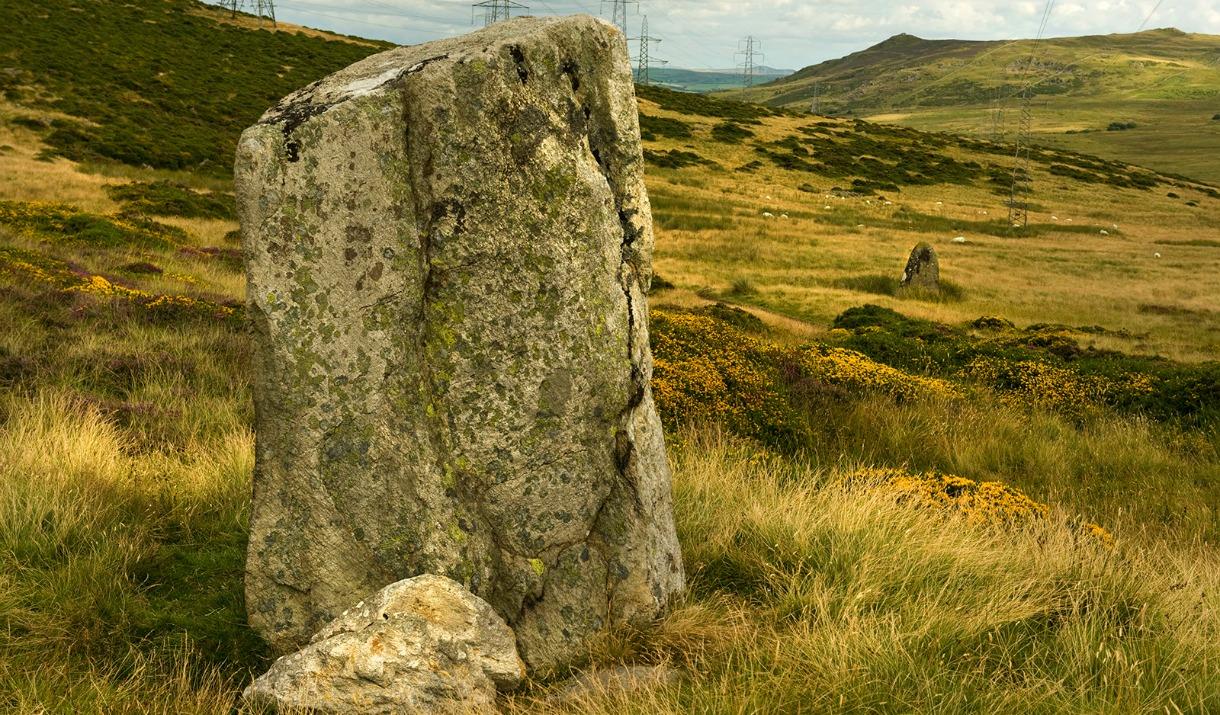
424	644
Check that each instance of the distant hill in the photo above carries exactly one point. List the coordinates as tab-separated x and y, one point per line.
163	83
710	80
1162	86
906	72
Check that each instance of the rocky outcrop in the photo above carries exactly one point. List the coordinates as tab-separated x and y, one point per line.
421	645
448	247
923	269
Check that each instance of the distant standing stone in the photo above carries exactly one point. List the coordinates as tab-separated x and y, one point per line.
423	645
448	248
923	268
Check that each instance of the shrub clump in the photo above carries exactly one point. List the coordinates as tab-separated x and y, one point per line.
167	198
675	159
731	133
28	267
703	105
162	308
979	502
651	127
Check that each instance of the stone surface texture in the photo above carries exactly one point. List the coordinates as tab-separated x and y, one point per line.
447	251
923	268
420	645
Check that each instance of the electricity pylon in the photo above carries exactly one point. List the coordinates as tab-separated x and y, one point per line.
751	49
495	10
261	8
643	61
618	12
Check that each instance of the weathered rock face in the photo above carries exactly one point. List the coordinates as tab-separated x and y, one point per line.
447	249
420	645
923	268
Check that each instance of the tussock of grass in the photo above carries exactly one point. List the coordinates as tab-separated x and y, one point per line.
84	521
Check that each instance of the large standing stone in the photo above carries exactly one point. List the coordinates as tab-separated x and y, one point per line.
447	249
923	268
422	645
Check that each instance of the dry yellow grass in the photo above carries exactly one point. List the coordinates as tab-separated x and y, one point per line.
811	597
28	178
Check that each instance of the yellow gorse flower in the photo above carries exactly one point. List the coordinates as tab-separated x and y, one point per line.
987	503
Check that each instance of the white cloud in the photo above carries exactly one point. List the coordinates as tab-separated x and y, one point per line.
793	33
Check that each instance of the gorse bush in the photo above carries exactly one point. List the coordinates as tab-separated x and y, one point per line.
707	369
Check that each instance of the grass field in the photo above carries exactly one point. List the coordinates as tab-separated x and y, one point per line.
1002	497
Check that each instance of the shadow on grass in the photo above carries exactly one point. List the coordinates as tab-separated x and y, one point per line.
879	284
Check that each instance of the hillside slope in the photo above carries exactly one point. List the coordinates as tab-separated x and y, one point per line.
1162	86
163	83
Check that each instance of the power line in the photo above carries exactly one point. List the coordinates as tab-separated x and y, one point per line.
751	49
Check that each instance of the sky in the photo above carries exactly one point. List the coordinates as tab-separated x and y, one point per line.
707	34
